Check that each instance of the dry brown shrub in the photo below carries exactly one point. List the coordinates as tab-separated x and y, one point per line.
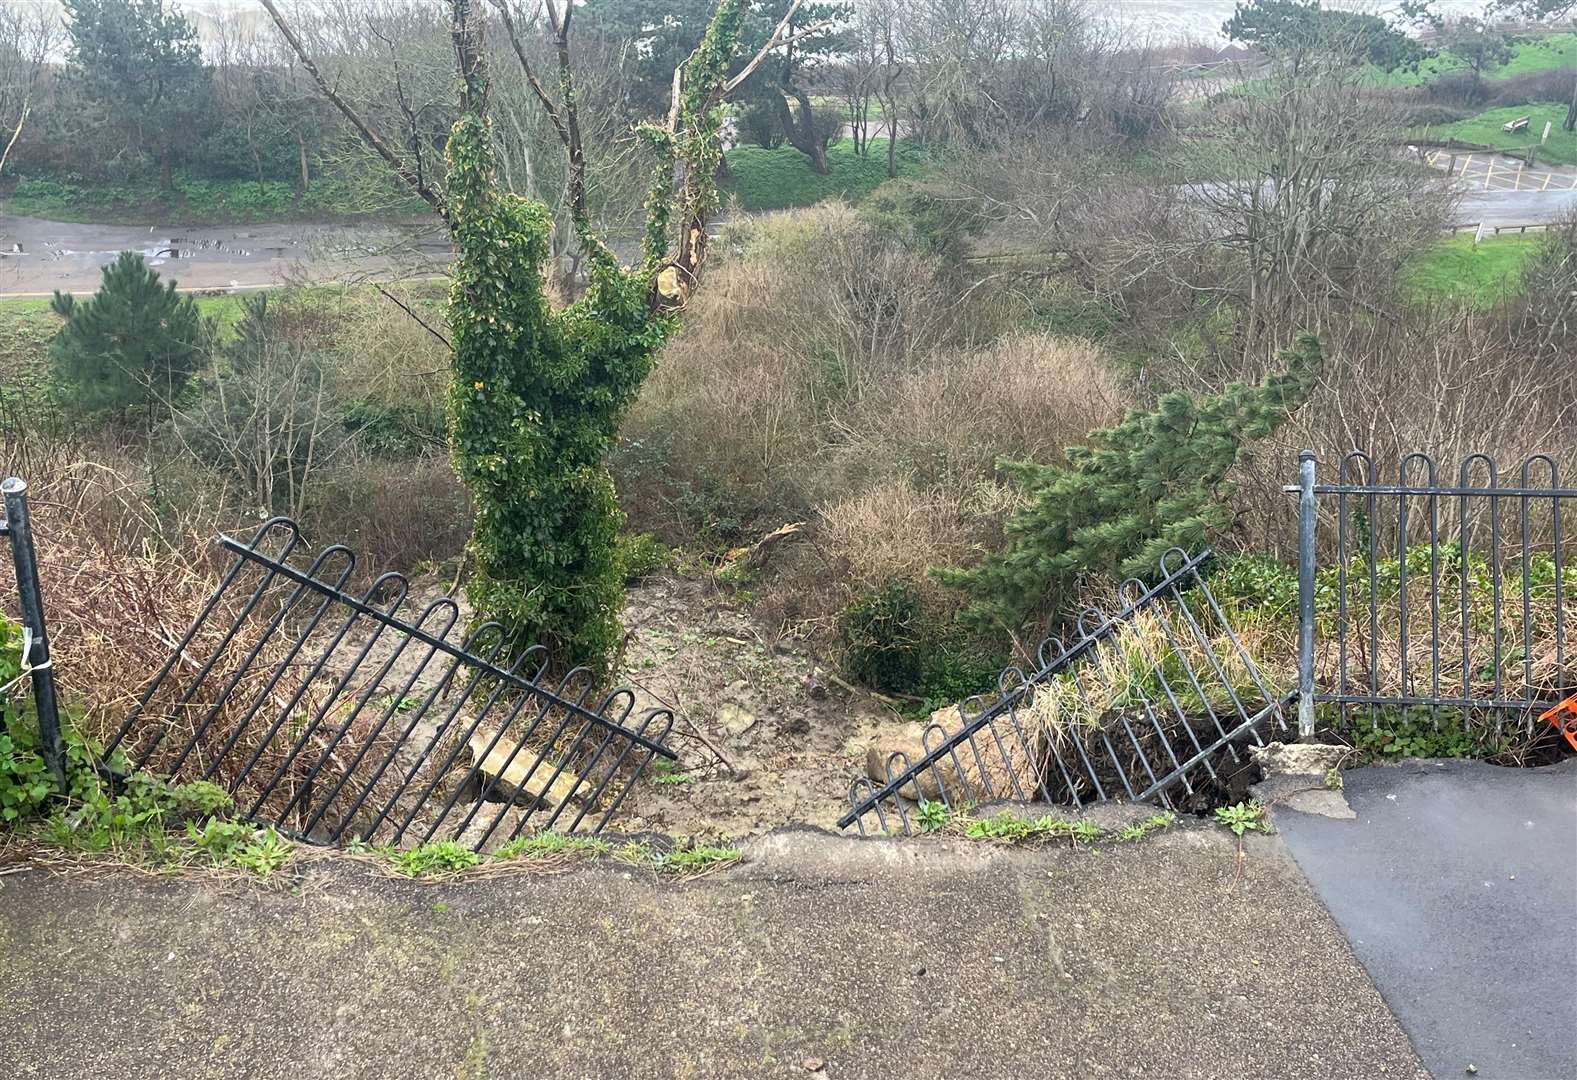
128	560
810	315
120	585
385	356
823	359
893	531
948	420
395	514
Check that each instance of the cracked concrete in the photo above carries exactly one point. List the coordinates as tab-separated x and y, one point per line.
847	958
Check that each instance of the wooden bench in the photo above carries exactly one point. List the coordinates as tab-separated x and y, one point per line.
1511	127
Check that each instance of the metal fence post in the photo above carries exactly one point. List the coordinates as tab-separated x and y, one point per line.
1306	510
19	527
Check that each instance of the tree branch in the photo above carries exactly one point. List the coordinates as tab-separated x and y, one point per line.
397	302
577	152
537	88
778	38
21	121
368	135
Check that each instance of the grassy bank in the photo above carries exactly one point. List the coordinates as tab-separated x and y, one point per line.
778	179
1486	273
27	324
1529	57
1488	129
205	202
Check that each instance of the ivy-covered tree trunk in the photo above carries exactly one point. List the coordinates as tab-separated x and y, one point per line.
537	394
535	402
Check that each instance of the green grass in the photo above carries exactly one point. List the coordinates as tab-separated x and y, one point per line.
782	178
1531	56
1487	129
1454	269
196	201
27	325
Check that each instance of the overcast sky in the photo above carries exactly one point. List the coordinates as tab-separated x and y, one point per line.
1165	18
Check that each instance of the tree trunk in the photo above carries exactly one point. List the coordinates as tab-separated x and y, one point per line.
801	131
1571	110
301	151
166	171
890	122
257	159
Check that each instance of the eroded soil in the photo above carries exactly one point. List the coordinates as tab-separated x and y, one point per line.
765	733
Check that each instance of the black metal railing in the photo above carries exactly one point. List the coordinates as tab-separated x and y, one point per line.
17	528
1149	704
1436	592
338	716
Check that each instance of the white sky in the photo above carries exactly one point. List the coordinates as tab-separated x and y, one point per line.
1164	18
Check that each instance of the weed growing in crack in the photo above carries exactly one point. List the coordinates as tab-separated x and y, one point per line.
439	857
933	816
1243	818
1008	828
700	857
264	854
1154	823
1086	831
550	843
663	772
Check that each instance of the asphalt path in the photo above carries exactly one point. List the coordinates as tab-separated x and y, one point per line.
1516	207
1456	885
38	257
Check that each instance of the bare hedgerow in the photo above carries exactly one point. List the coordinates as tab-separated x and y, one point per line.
1449	382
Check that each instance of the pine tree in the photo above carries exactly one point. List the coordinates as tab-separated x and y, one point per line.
135	69
1154	482
133	342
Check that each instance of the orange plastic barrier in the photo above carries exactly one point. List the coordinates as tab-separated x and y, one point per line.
1564	717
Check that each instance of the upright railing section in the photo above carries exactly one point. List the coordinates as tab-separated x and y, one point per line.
340	716
1436	592
17	528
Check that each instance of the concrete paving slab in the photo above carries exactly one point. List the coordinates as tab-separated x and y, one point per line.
1456	884
821	957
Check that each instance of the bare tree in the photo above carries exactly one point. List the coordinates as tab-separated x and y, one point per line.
688	139
881	16
954	46
856	76
269	424
1301	185
261	94
28	37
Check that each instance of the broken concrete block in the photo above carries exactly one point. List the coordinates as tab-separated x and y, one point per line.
512	775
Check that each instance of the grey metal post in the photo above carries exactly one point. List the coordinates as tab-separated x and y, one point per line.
1306	510
19	527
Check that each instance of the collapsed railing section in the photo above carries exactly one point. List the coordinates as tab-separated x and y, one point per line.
1436	592
340	717
1152	703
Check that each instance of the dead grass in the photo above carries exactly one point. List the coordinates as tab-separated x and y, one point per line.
829	375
